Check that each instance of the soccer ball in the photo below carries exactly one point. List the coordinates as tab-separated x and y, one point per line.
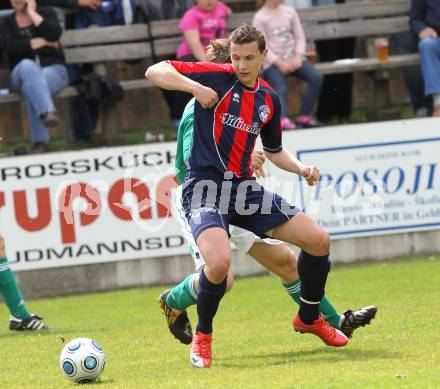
82	360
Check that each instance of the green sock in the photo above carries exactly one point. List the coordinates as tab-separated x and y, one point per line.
331	316
183	295
293	289
11	292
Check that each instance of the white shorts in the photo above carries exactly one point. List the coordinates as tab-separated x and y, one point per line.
241	238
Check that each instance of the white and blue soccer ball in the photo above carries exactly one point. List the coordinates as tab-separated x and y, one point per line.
82	360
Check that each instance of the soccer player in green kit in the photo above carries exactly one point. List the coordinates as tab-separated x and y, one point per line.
273	254
21	319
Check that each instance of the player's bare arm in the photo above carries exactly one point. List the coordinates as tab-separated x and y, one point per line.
165	76
286	161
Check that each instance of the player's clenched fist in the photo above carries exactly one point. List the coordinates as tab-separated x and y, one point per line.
205	96
258	159
311	174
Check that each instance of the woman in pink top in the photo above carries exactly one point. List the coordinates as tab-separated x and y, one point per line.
286	42
202	23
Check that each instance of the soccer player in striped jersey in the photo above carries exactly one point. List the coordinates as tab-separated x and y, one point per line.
21	319
274	255
233	107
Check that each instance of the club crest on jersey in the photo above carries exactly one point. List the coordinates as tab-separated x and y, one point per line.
236	98
263	112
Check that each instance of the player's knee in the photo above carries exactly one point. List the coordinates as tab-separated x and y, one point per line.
219	265
321	243
220	269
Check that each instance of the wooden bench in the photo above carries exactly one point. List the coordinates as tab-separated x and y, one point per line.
160	39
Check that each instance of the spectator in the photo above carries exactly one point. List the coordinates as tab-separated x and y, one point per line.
84	114
203	22
335	100
406	43
29	37
286	42
425	22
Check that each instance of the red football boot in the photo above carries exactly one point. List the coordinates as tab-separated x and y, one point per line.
201	355
329	335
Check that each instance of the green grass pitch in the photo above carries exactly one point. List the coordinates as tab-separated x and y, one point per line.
254	345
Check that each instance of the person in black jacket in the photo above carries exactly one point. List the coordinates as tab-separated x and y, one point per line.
30	38
425	22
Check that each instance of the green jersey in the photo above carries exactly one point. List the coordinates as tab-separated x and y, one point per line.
184	140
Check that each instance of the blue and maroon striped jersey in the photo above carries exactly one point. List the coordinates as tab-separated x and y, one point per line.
225	135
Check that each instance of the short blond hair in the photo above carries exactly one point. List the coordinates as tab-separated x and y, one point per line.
219	51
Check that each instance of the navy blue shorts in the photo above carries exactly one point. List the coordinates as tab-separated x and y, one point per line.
210	200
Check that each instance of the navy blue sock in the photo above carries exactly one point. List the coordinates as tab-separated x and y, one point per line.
313	273
208	300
